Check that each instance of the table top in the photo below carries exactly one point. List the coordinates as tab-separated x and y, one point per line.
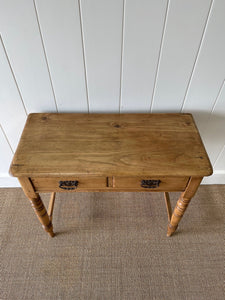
55	144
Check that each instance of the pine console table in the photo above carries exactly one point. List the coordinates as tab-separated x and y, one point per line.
78	152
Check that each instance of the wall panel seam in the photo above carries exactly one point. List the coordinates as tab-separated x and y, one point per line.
160	54
83	52
45	55
3	131
122	54
219	155
197	55
13	74
217	97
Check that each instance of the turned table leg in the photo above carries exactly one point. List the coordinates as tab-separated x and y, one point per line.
42	215
37	205
182	204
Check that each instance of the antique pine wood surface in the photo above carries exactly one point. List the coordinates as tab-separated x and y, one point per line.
91	183
37	205
48	184
110	152
110	144
182	204
166	183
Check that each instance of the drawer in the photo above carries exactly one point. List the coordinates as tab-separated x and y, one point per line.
143	183
68	184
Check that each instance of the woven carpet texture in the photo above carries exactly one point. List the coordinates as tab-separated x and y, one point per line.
112	246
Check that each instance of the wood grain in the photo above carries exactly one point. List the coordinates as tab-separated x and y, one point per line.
168	205
110	152
51	206
109	145
37	205
52	184
182	204
93	183
166	183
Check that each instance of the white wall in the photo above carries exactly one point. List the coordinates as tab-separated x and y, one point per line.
113	56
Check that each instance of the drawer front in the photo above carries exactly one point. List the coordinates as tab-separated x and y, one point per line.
144	183
68	184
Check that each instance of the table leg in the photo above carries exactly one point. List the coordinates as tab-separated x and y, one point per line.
182	204
37	205
42	215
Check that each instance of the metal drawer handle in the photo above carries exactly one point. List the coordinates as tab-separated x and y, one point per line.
150	184
68	185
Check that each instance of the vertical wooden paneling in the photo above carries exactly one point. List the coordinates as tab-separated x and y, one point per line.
209	71
6	156
183	32
20	33
12	112
213	132
60	27
143	27
220	162
6	152
102	29
111	56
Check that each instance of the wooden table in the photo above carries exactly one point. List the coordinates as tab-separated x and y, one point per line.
110	152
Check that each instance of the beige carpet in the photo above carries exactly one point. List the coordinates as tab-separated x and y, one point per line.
112	246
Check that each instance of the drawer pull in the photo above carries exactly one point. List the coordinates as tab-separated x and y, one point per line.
150	184
68	185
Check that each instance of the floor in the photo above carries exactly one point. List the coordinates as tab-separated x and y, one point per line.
112	246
